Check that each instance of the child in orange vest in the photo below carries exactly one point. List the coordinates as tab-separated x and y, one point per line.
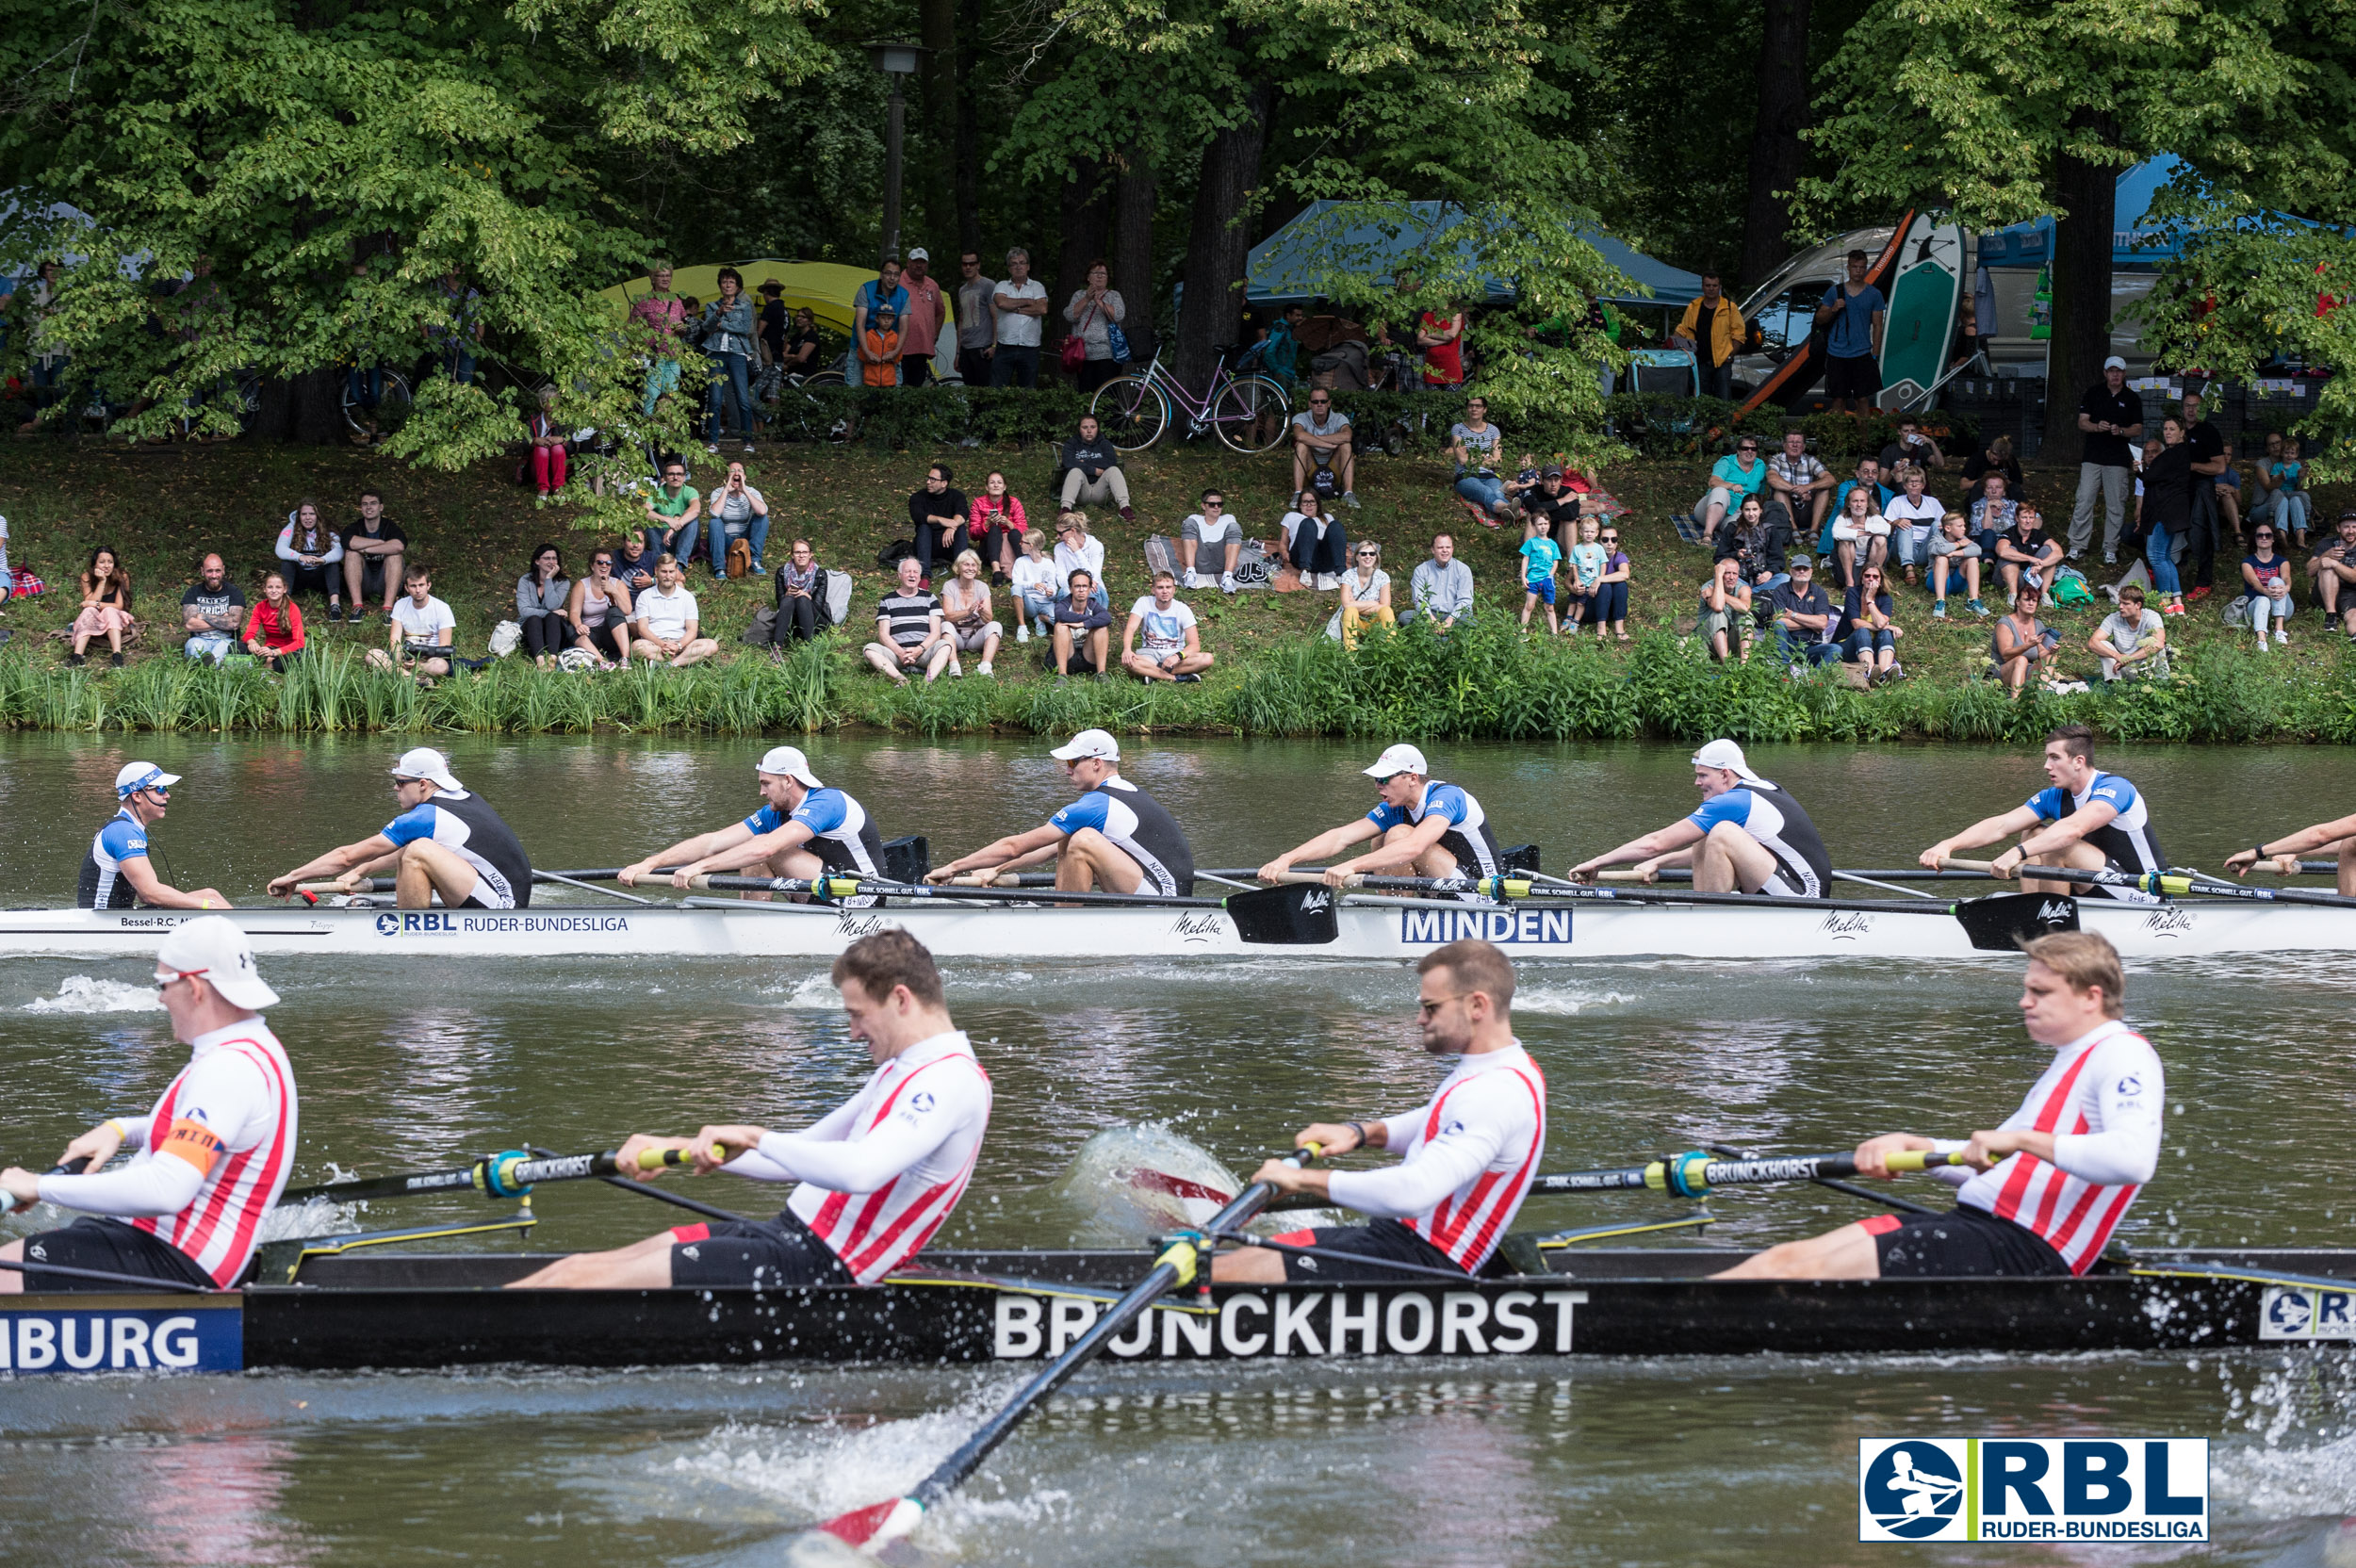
880	365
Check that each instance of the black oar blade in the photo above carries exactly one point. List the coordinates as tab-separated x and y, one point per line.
2000	924
1297	915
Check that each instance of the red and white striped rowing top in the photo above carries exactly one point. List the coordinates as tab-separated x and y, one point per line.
2103	1099
1468	1157
235	1100
880	1172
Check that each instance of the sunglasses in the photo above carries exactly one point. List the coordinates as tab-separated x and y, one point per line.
1366	555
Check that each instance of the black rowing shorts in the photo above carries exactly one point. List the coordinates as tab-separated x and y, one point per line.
1964	1243
1384	1238
764	1254
110	1246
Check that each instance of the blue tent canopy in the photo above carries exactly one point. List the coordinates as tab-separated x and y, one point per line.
1284	267
2136	240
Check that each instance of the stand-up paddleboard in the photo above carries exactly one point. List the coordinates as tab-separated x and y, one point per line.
1796	375
1924	305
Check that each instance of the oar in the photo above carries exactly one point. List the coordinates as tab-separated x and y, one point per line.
1489	887
510	1174
72	1167
1847	1189
1691	1175
854	887
882	1523
2181	887
645	1190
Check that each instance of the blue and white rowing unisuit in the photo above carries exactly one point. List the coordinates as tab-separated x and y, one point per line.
462	822
1140	828
1468	836
1803	867
102	885
841	834
2127	840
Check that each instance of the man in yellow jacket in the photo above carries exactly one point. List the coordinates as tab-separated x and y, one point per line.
1713	328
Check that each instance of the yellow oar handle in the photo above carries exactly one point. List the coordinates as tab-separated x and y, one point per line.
1921	1159
655	1159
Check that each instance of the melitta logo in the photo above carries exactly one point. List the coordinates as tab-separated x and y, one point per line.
1198	928
2033	1488
2169	921
2056	911
1844	925
1320	899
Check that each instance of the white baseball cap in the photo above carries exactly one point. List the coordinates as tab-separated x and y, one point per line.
918	253
2114	363
430	765
789	762
134	776
1399	760
1089	743
212	946
1725	754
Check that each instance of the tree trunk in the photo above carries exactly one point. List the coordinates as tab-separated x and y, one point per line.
308	411
937	31
967	153
1085	214
1219	242
1776	149
1132	251
2087	195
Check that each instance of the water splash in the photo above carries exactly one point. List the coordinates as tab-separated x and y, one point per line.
79	993
815	992
1134	1183
1565	1002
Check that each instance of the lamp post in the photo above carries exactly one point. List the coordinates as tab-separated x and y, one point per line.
898	62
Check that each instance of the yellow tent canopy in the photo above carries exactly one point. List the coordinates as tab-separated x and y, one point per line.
823	288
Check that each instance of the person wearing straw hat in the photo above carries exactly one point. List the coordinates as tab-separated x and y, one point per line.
1749	835
446	840
1115	838
1422	827
207	1162
115	870
803	829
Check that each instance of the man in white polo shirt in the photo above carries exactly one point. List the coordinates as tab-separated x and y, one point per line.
665	622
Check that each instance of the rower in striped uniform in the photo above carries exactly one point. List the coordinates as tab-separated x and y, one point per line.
446	841
1750	835
2051	1185
1422	827
115	870
877	1175
804	829
209	1160
1115	838
2088	819
1467	1154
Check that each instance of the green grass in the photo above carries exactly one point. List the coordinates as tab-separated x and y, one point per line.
163	507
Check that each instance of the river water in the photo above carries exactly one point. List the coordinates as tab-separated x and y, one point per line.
1470	1462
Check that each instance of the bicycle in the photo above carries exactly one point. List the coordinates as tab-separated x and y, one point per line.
1249	413
375	402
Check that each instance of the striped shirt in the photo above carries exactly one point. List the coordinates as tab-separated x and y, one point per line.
1467	1160
907	618
2102	1099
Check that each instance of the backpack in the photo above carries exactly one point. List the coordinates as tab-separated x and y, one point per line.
2070	589
889	557
739	557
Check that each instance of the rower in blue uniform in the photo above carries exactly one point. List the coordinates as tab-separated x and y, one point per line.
1749	835
2088	818
116	873
1423	828
446	840
1115	838
803	829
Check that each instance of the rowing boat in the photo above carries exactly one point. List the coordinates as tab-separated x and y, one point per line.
422	1311
1656	923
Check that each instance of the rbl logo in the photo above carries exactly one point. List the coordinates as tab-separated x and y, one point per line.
2033	1488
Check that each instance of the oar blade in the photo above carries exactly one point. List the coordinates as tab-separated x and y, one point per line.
874	1528
1292	915
2003	922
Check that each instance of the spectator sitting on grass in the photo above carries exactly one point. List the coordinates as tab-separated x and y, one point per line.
1869	473
1955	554
997	524
1365	590
2025	555
2332	570
1077	550
908	634
273	631
1861	534
1801	484
1804	616
1093	475
424	634
676	512
1730	479
1443	586
312	552
1080	618
374	550
1311	542
1914	518
2131	642
666	623
798	586
1912	446
1473	445
965	615
1323	431
542	594
1725	618
1212	525
1993	513
212	609
2267	576
737	510
633	568
1172	645
1034	586
598	610
2282	478
2020	645
1612	588
939	514
1867	634
1760	541
1540	554
105	605
1995	458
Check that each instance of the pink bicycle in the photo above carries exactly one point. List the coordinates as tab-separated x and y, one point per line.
1249	413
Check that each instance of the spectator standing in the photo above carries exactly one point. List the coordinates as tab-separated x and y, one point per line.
728	338
2169	481
880	293
1867	634
1853	311
1091	471
965	615
772	325
1211	526
2216	494
1861	534
598	608
666	623
663	315
1365	590
1914	446
799	583
1913	517
977	320
2110	416
547	448
1731	478
2332	570
1711	329
1093	311
310	549
879	348
1800	484
1473	445
2267	578
1036	582
1323	433
921	321
676	513
1077	550
1954	555
2020	645
998	522
939	515
1726	614
1612	588
1759	541
1311	542
802	348
2283	478
105	606
1582	587
738	511
1081	618
212	611
1539	555
908	634
1995	458
273	630
2131	642
1442	586
459	333
375	550
1172	645
543	595
1441	336
2025	553
423	637
1804	616
1021	303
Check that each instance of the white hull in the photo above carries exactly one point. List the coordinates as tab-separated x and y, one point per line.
1585	930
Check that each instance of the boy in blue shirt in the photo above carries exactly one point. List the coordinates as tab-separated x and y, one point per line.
1539	555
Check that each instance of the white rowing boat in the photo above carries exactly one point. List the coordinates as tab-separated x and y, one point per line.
1540	929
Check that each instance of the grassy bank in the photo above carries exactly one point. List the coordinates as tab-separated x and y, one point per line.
1277	675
